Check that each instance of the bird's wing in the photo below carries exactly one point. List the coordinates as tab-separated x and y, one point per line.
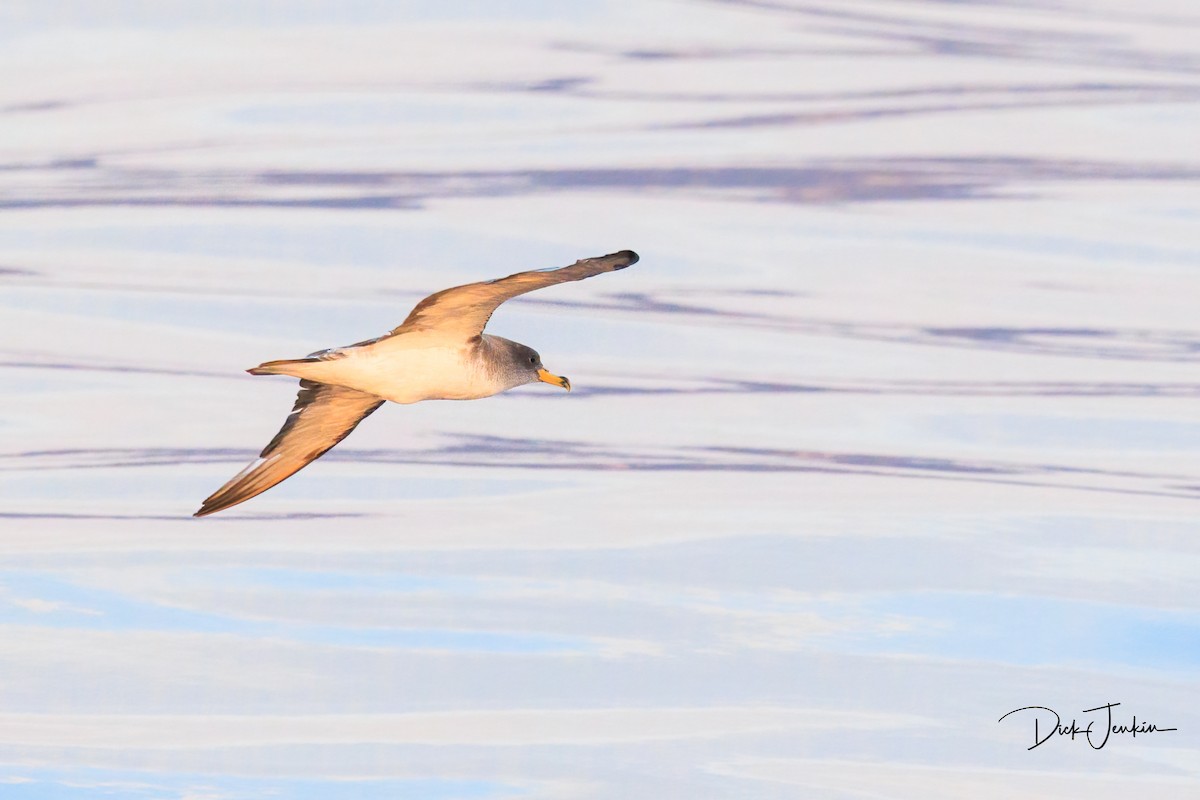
322	417
464	310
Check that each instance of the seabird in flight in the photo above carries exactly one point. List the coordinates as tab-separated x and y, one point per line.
439	353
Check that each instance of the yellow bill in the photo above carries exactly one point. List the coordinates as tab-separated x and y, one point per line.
547	377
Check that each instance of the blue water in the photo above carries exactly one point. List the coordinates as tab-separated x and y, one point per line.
44	784
891	430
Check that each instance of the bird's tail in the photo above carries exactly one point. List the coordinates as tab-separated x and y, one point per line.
281	367
296	367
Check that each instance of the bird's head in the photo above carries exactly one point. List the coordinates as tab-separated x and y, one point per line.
527	364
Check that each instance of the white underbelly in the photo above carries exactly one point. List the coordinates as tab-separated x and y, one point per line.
409	375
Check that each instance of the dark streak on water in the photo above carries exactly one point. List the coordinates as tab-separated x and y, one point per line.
724	386
827	182
842	116
509	453
34	107
1097	343
992	41
116	368
1069	93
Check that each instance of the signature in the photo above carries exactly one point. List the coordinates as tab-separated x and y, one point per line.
1073	730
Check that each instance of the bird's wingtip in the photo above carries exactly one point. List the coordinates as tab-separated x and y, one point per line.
211	505
622	259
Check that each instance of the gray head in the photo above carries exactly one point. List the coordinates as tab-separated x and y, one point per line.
521	364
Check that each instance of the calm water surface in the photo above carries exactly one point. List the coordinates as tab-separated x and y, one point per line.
893	429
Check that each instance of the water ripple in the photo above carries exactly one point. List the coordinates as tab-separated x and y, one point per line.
498	452
94	183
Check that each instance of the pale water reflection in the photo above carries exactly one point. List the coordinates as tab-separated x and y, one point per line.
891	431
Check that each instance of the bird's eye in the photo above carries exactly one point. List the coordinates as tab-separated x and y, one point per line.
533	359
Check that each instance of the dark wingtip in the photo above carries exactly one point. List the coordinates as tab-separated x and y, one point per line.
629	256
211	505
207	507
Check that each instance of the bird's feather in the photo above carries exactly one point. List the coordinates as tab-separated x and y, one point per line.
463	311
322	417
